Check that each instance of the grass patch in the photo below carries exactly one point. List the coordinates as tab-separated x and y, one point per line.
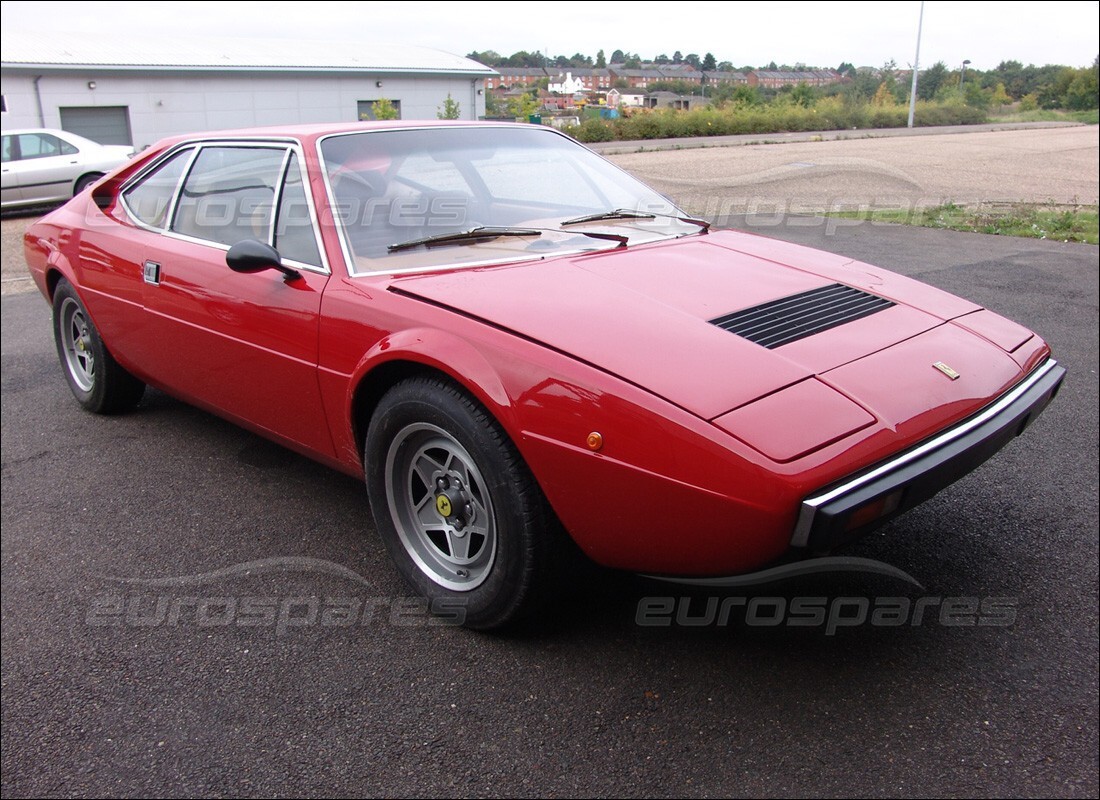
1057	223
1091	117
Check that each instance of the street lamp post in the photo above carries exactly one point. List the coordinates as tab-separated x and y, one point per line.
962	75
916	68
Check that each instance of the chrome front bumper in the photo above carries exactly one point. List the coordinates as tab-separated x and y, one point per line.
826	518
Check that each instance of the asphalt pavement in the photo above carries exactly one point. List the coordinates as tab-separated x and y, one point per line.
188	609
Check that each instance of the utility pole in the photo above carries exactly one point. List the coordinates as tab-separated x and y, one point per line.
916	68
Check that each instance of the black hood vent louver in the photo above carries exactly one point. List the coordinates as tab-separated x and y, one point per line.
791	318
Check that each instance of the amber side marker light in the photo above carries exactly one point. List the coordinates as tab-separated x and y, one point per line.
594	441
876	509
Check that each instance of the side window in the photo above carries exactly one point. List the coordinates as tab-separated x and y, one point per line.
38	145
7	149
229	194
67	149
150	198
294	233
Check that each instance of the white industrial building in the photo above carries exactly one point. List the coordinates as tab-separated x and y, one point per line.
146	90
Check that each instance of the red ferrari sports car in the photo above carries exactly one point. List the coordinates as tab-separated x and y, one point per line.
518	344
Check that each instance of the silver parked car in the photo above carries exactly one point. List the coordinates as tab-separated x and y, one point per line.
42	165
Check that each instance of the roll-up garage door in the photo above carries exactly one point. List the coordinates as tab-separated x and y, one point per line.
103	124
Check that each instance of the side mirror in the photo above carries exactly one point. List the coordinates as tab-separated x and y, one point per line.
251	255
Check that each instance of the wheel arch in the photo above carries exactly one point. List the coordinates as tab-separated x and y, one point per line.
53	277
91	176
427	352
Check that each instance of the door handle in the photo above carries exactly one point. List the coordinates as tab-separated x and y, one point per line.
151	273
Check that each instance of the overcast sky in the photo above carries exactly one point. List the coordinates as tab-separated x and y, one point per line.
747	33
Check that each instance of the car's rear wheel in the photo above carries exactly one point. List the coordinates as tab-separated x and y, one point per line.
86	181
457	507
97	381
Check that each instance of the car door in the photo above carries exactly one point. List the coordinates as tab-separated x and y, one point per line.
43	167
242	344
9	186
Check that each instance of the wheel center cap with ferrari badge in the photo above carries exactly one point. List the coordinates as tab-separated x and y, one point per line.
443	506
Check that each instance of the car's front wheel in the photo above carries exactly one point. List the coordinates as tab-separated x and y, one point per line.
457	507
97	381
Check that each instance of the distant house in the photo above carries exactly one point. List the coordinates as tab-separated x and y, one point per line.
775	79
681	72
635	78
725	78
590	80
566	84
624	99
512	77
680	102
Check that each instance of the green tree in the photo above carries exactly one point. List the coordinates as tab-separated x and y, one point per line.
976	96
1054	93
384	109
746	96
884	96
618	57
693	60
677	57
1000	97
931	80
1012	75
710	64
493	105
601	61
522	106
804	95
490	58
1082	92
450	109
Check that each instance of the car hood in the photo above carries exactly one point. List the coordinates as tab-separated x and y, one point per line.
645	314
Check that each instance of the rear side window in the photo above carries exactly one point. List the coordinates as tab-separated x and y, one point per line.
151	197
42	145
229	194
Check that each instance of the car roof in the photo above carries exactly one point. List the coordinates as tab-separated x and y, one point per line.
317	130
13	131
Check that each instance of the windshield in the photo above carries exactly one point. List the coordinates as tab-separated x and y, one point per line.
394	189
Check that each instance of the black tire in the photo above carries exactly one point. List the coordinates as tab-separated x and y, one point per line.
494	524
86	181
95	378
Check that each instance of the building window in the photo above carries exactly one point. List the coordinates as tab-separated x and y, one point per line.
366	109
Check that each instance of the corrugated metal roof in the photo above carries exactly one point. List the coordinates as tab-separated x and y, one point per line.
55	51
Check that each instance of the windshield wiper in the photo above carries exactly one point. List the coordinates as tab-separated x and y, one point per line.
624	213
618	213
702	223
479	234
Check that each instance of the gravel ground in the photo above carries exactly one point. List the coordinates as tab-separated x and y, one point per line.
1059	165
